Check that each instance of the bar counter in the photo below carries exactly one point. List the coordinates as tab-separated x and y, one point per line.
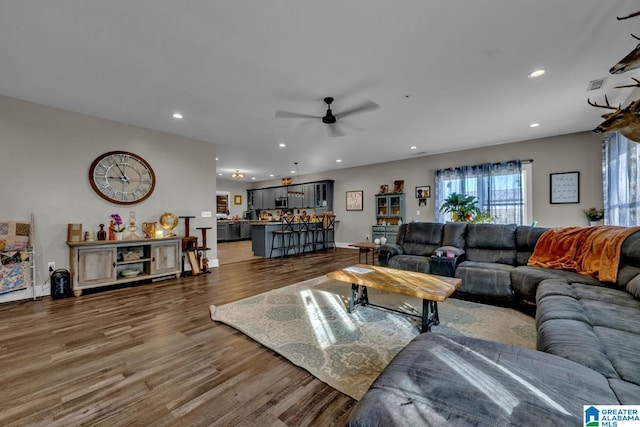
262	237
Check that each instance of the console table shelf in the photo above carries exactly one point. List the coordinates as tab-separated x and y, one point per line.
109	262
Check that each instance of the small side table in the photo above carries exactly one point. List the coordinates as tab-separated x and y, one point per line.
365	248
443	266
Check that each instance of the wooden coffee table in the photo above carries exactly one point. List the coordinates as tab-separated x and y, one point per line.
429	287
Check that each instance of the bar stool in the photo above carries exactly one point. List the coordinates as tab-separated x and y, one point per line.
307	232
328	226
318	232
285	234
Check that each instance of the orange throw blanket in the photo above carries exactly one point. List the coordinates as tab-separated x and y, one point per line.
591	251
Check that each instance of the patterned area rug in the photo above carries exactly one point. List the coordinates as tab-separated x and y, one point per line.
308	324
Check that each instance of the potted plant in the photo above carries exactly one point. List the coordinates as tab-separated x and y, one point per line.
118	227
485	217
462	208
595	216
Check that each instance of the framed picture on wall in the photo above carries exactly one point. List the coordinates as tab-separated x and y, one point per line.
423	192
564	187
354	200
237	199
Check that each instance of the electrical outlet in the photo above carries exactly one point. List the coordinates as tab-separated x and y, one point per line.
51	266
418	212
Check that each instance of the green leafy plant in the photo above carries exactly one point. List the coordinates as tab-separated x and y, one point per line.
485	217
594	214
463	208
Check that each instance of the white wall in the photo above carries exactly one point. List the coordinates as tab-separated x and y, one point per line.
567	153
44	163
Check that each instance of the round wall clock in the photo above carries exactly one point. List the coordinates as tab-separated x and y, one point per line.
122	177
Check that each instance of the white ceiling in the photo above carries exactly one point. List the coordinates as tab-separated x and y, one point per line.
448	75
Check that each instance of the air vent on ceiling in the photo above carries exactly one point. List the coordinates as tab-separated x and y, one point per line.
596	84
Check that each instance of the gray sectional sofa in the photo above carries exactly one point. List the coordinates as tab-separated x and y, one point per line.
588	337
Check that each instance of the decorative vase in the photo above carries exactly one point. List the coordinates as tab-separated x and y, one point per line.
118	235
383	240
102	235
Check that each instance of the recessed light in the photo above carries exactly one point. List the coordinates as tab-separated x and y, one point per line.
413	147
534	125
536	73
220	174
271	175
282	145
293	171
253	177
338	160
177	116
216	159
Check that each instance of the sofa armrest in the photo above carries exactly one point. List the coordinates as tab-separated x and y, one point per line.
386	252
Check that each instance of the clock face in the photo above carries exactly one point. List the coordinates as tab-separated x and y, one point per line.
122	177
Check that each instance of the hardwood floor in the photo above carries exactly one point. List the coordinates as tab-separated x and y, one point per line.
151	355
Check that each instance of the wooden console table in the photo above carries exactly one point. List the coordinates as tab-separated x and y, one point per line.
109	262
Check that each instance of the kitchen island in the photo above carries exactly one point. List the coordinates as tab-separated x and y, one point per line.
262	237
234	229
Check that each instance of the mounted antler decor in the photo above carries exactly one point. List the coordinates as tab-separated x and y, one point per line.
624	120
629	62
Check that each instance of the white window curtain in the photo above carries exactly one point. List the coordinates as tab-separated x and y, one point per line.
498	187
620	171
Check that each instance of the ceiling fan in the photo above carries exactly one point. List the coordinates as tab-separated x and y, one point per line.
329	118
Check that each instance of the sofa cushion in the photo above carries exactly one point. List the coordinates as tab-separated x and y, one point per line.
485	279
525	279
626	273
596	326
526	238
455	234
410	263
574	340
491	236
633	287
494	243
422	238
630	250
440	380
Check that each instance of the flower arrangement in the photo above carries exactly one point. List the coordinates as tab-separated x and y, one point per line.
119	228
594	214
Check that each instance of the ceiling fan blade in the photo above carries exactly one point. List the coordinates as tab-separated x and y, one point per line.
291	115
359	108
335	130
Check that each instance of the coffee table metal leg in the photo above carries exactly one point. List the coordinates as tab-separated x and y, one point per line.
364	296
429	315
353	299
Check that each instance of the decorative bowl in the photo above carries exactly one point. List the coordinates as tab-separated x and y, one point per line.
129	272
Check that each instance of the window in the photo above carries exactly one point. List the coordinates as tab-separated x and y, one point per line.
501	188
621	172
